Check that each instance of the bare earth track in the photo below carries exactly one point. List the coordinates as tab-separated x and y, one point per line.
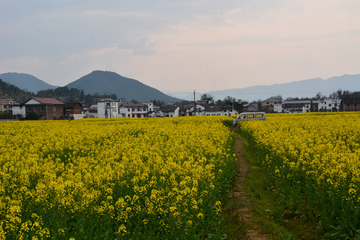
239	195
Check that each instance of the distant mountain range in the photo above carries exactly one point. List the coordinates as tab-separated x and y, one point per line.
304	88
26	82
99	82
102	82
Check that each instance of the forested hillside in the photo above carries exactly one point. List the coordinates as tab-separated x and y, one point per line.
13	92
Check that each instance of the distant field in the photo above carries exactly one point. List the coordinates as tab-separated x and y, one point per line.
114	179
312	164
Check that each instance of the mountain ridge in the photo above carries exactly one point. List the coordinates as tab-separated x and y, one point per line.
128	89
26	81
103	82
302	88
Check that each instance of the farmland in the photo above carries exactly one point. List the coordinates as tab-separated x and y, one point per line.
165	178
114	179
312	165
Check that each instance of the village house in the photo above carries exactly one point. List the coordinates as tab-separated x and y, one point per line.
204	109
134	110
45	108
6	105
73	110
169	111
350	104
251	107
329	105
90	112
299	106
268	104
107	108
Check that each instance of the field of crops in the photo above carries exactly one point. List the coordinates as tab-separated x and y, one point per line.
114	179
312	163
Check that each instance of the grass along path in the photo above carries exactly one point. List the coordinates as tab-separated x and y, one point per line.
245	211
238	215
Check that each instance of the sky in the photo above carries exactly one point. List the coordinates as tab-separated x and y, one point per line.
177	46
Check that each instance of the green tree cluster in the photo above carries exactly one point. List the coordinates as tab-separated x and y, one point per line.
10	91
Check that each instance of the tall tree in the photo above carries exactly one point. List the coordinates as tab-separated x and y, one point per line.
208	98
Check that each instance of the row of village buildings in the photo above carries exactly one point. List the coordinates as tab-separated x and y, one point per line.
301	106
51	108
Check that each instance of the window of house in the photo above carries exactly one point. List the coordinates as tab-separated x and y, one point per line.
34	108
108	104
61	108
28	108
41	108
5	106
54	108
128	110
128	115
133	109
329	104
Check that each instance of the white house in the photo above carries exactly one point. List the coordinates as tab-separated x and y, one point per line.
299	106
203	109
134	110
107	108
328	104
169	111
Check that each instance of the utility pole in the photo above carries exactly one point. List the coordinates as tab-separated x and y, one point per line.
194	105
105	105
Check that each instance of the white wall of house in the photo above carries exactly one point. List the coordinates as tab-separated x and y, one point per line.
32	102
328	104
223	112
278	108
136	111
203	112
77	116
19	110
175	113
110	107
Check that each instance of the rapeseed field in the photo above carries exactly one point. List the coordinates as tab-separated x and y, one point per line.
114	179
312	164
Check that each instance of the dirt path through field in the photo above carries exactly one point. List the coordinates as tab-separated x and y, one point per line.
242	198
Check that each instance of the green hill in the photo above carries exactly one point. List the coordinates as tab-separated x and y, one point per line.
102	82
26	82
9	91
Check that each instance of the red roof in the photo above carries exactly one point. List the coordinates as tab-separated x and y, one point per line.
4	101
48	100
